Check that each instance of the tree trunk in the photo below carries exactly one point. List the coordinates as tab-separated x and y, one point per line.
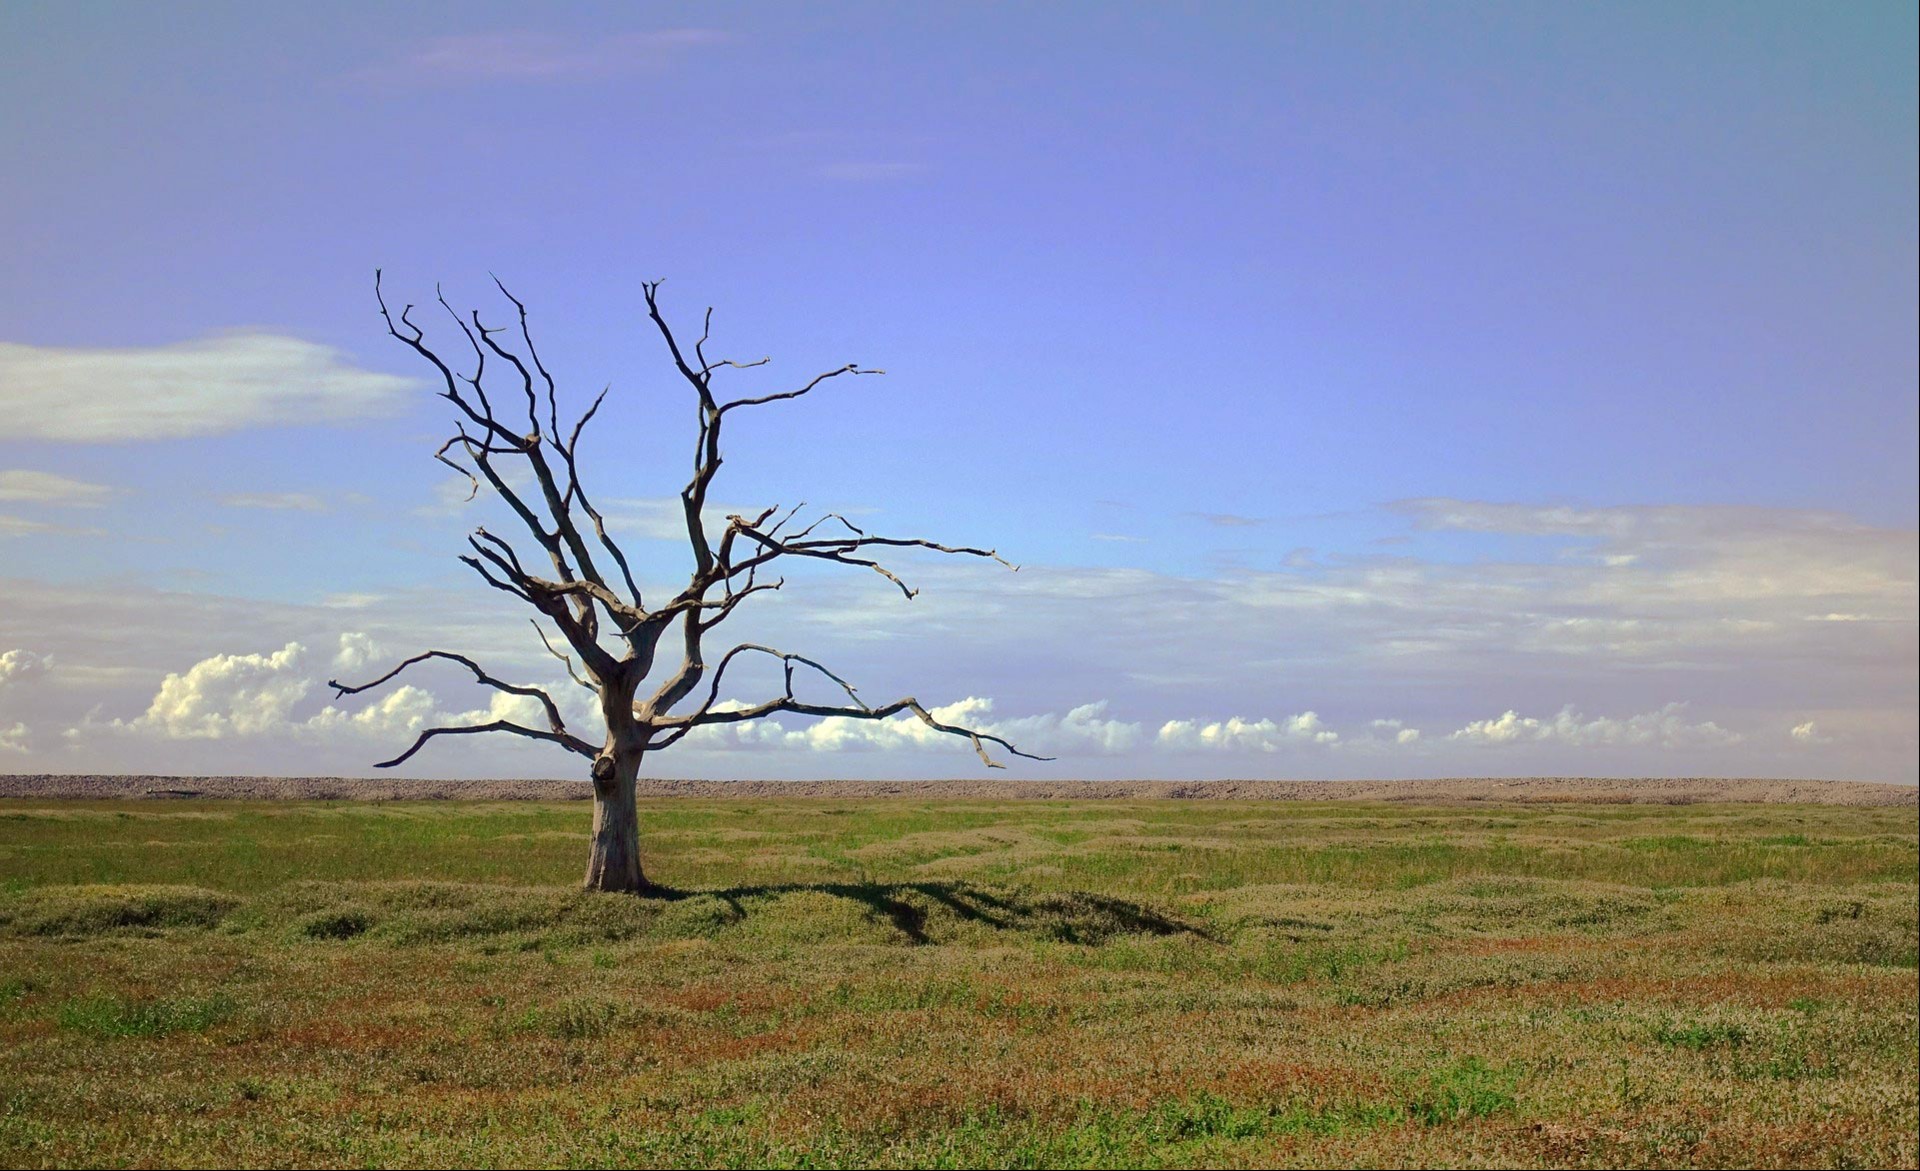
615	862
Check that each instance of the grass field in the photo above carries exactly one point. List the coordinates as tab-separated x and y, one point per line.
906	983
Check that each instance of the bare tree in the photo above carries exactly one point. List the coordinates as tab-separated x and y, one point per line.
592	597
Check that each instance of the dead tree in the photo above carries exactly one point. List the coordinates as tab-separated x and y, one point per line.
590	594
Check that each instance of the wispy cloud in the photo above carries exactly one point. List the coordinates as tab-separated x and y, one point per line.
20	526
1229	520
48	488
663	518
276	501
525	55
205	387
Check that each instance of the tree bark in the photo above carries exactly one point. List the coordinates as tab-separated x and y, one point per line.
615	863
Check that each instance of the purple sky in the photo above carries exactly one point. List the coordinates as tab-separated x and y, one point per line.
1537	379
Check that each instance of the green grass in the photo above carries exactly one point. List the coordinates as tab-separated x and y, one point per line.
110	1016
967	983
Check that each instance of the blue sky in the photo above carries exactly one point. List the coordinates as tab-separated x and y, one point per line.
1374	362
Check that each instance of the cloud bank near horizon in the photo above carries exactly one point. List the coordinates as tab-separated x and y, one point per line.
1686	640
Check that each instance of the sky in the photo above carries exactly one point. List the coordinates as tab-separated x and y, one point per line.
1363	390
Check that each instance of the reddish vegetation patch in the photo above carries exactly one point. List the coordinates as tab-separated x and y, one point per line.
1284	1079
1755	989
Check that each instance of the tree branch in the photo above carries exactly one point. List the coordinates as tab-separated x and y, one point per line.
840	549
546	701
978	739
849	368
569	742
705	715
562	656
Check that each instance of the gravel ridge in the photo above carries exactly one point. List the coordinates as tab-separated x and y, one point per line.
1592	790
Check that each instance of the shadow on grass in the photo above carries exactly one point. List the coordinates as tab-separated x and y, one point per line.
428	912
915	909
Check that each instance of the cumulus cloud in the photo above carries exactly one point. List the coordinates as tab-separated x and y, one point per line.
14	738
254	696
206	387
19	666
1084	729
1239	735
1665	727
357	649
1809	733
403	712
48	488
844	733
229	695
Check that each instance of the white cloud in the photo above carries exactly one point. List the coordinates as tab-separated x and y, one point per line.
1809	733
48	488
1239	735
401	714
229	695
1081	732
253	697
14	739
19	526
847	734
19	666
206	387
1084	729
662	518
357	649
278	501
1664	727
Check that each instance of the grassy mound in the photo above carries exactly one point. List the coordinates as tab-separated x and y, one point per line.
446	912
106	910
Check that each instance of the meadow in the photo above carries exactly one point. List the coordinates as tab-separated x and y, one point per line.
959	983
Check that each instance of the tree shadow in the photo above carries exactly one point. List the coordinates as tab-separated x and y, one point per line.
913	908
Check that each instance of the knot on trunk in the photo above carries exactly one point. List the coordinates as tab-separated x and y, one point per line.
603	768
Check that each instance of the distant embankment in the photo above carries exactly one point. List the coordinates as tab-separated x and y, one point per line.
1592	790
